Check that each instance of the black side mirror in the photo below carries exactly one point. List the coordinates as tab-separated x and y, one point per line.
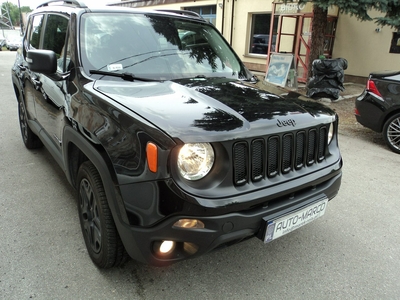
42	61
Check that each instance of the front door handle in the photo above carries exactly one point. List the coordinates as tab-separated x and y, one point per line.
36	83
21	67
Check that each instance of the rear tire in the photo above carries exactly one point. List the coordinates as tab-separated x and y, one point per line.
391	133
30	139
98	228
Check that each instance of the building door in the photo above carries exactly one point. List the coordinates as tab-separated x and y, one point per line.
294	35
302	49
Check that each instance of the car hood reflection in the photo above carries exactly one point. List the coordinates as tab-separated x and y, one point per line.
198	110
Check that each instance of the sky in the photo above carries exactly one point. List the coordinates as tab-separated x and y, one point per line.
34	3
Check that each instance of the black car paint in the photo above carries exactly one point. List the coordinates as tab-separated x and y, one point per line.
372	111
124	116
215	109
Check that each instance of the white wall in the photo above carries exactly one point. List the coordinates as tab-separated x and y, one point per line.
365	49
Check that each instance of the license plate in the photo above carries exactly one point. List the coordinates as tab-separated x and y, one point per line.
288	223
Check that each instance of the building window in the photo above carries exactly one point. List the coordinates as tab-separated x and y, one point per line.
395	44
207	12
260	29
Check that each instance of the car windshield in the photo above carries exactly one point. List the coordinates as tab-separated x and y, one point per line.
155	46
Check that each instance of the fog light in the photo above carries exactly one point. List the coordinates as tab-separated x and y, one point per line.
166	247
189	223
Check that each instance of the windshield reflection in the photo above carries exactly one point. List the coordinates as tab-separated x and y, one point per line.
157	47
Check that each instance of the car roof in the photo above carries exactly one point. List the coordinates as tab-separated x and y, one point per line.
69	6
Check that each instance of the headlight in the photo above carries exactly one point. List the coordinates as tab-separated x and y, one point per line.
330	133
195	160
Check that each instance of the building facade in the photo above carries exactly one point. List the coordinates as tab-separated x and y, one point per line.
257	28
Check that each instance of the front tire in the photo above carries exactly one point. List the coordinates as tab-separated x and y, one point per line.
391	133
98	228
31	140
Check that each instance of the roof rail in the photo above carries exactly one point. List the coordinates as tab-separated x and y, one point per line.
75	3
182	12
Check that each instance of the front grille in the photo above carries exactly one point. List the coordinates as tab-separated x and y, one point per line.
269	156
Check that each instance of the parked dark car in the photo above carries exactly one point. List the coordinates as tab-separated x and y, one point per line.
378	107
260	44
173	150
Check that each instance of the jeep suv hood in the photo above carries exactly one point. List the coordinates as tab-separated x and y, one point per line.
198	110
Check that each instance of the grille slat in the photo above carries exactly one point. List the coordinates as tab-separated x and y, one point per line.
240	163
257	160
273	155
321	143
287	150
300	142
312	137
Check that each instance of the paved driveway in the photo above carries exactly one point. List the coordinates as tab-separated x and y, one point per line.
352	252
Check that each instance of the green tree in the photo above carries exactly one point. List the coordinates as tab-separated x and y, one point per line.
357	8
15	13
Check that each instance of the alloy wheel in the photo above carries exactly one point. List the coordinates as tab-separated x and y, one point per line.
23	122
393	133
90	215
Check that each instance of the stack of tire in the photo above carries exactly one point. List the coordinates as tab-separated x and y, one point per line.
328	78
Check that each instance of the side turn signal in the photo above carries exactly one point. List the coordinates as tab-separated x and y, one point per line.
152	157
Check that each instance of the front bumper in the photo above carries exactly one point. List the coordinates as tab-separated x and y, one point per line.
220	230
13	48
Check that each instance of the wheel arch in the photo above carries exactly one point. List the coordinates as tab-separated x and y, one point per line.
76	150
16	90
393	112
391	137
17	85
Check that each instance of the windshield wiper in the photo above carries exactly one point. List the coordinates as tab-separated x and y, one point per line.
125	76
208	77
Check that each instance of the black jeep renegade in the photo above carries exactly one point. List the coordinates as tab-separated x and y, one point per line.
159	126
